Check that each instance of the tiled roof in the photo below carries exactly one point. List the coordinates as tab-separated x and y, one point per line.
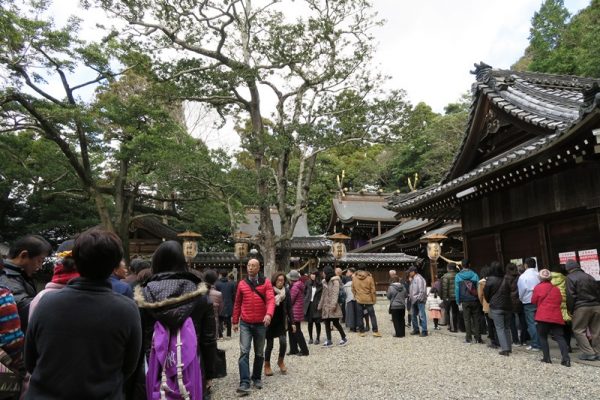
407	227
311	244
552	102
366	207
155	227
250	226
446	229
371	258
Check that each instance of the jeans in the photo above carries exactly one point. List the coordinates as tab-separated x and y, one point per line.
418	313
248	334
502	324
371	311
557	331
471	314
398	321
492	330
529	310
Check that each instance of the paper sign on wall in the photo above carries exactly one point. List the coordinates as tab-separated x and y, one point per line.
566	256
588	259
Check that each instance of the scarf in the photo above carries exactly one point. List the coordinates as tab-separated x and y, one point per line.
61	276
280	295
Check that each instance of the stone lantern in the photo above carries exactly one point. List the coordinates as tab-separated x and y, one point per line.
190	244
339	248
434	251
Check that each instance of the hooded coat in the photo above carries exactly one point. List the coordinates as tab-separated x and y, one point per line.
363	288
560	281
465	275
227	289
396	294
547	298
329	306
172	297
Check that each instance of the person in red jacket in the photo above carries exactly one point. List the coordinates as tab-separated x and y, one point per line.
253	309
549	317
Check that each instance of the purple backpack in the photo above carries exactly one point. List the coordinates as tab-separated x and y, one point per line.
173	367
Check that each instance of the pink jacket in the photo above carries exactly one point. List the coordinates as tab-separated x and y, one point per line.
297	300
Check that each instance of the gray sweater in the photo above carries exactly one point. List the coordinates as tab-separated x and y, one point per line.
396	293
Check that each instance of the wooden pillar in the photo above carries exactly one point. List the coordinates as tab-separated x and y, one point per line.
378	228
433	270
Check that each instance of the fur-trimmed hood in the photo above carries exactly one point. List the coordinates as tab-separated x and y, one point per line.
170	297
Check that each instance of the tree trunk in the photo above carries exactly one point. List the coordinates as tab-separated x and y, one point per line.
268	252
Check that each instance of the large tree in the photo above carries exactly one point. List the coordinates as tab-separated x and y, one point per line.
240	56
101	109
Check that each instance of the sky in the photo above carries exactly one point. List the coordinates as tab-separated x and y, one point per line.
427	47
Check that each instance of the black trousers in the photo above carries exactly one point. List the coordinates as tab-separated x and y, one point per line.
269	348
317	323
297	340
398	321
543	328
338	326
227	322
452	311
472	315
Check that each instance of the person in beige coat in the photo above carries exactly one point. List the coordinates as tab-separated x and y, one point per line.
331	312
363	288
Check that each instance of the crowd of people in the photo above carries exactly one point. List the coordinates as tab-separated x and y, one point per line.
101	330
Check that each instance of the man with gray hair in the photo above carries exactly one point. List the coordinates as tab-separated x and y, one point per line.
417	293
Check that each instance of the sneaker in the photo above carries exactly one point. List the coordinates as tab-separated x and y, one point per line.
414	333
566	363
376	334
587	357
257	384
504	353
327	343
532	348
437	328
424	334
310	341
243	389
317	341
467	341
343	342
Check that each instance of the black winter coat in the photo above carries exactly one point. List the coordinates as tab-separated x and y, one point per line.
281	317
170	298
22	288
497	293
310	309
582	290
83	342
512	281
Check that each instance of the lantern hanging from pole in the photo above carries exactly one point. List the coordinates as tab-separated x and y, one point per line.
190	244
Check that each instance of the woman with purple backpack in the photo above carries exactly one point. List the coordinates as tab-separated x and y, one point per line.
175	310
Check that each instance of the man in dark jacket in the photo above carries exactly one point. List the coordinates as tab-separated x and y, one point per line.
227	288
450	297
583	303
25	256
84	341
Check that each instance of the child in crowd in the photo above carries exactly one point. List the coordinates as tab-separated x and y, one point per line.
434	306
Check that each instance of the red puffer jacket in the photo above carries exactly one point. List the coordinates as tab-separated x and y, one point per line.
297	299
547	298
249	306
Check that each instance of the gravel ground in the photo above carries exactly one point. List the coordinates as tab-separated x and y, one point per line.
438	366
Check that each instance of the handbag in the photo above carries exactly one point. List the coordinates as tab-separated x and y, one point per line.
221	364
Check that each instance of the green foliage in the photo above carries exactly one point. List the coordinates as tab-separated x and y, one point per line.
563	45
